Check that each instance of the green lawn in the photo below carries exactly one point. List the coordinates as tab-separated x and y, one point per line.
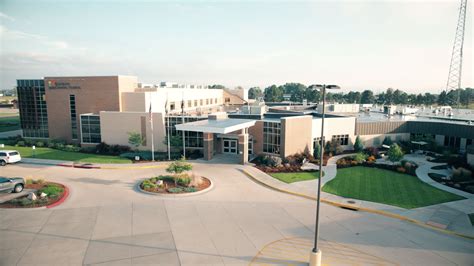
387	187
295	177
9	123
52	154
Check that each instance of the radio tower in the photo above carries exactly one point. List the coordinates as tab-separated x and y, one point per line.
455	68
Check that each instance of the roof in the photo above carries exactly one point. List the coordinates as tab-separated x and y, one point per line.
221	126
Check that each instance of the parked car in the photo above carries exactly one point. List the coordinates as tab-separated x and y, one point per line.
14	184
9	157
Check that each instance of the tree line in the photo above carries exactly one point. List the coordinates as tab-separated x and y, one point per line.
297	92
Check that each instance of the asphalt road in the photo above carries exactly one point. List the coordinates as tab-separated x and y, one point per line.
105	221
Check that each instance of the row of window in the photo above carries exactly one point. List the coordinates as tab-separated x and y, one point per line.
90	129
32	107
72	108
173	105
271	137
192	139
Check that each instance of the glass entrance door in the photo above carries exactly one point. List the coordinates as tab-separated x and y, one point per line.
229	146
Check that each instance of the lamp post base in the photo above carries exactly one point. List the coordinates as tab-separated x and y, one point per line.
315	258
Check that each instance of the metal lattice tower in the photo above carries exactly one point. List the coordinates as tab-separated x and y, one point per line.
455	68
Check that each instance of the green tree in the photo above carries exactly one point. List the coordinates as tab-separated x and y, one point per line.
176	142
255	92
177	168
358	146
273	94
395	153
387	141
296	90
135	139
317	150
367	97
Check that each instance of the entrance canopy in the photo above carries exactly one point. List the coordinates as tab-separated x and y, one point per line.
220	126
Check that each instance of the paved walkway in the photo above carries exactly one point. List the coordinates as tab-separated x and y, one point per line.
105	221
13	133
451	215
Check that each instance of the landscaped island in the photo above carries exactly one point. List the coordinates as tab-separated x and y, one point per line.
46	193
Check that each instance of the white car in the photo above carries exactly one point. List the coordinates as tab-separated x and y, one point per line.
9	157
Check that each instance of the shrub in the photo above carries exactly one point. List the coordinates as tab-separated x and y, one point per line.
461	175
39	144
470	189
395	153
184	181
166	178
175	190
387	141
29	181
20	143
360	157
358	146
373	151
52	190
274	161
190	189
25	201
371	158
401	169
148	184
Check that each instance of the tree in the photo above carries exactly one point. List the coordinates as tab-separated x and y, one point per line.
273	94
395	153
135	139
255	93
317	150
367	97
389	96
176	142
358	145
387	141
352	97
296	90
217	86
177	168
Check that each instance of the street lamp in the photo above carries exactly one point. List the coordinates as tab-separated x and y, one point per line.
315	256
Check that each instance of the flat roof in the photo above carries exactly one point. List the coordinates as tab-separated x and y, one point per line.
220	126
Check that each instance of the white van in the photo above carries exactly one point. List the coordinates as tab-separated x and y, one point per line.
9	157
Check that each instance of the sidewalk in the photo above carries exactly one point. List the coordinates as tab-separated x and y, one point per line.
94	166
450	217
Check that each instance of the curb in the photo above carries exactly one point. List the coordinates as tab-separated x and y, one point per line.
61	200
177	195
352	207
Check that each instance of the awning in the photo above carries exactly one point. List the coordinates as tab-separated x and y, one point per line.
220	126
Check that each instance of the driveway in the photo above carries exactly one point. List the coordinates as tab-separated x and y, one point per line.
105	221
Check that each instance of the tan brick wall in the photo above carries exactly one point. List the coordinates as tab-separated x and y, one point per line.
94	95
257	134
296	135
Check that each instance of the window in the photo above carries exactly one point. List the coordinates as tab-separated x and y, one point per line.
341	139
271	137
215	100
190	103
207	101
13	153
72	108
192	139
316	140
172	106
227	100
195	102
90	128
32	106
200	102
452	141
468	142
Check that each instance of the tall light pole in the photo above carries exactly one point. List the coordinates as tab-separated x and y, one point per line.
316	254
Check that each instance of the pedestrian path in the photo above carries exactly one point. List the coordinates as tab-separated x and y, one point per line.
450	217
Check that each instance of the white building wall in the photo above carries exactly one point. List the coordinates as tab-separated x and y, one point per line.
376	140
335	126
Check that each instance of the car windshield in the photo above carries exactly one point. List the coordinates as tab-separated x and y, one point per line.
13	153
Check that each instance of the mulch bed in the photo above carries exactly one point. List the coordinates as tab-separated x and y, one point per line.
170	184
37	203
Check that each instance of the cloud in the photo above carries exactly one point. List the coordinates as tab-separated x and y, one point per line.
15	35
5	16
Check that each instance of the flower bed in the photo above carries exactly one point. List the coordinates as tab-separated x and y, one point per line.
362	159
183	183
54	192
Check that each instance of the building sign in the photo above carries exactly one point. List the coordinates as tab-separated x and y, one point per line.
53	84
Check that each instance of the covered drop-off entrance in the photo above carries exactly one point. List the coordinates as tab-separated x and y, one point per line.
223	135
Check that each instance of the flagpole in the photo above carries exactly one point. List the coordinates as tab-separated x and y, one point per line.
182	122
168	128
152	136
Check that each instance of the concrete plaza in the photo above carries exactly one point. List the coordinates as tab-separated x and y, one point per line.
105	221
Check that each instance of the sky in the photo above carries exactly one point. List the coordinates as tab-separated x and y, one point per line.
355	44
